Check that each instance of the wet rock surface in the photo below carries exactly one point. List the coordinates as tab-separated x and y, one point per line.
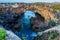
38	23
9	21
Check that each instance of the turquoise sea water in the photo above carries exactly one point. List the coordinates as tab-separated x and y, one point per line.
26	26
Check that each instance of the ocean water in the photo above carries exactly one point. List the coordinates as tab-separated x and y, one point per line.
26	26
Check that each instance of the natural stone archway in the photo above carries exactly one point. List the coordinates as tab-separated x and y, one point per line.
46	13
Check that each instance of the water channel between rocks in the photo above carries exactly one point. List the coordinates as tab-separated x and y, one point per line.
26	25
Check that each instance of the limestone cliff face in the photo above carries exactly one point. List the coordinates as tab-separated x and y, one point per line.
45	12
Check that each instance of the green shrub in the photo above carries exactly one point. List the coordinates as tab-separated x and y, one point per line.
2	34
53	34
50	35
52	23
56	7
